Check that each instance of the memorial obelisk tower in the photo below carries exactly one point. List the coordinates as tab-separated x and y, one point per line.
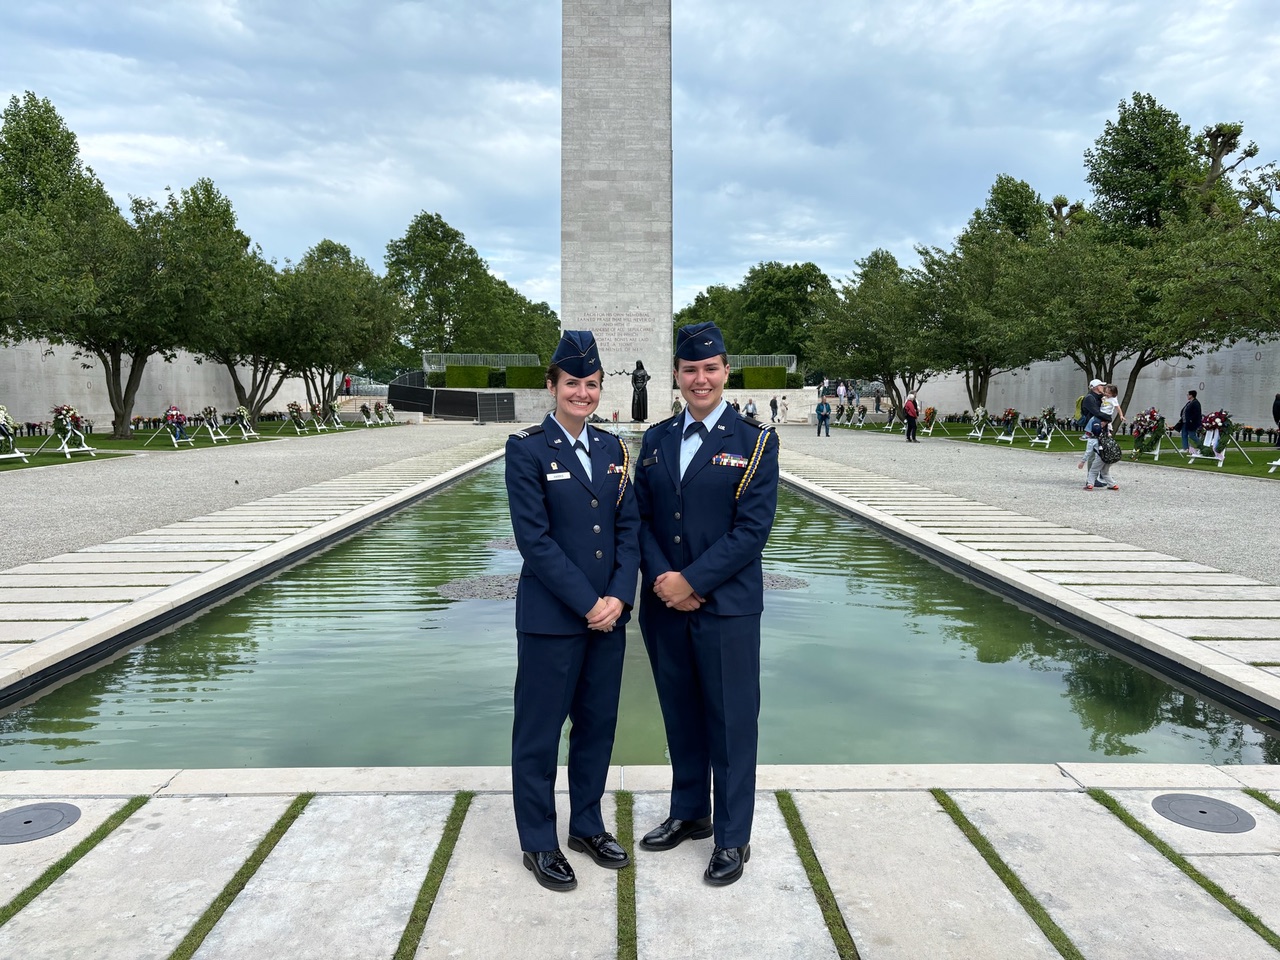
615	189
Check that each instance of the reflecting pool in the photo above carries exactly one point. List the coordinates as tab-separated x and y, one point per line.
354	658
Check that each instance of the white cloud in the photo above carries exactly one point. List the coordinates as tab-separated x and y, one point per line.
805	130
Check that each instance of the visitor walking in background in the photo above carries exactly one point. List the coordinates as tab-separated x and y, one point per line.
878	395
1099	472
1275	415
1189	422
823	410
1111	406
576	525
910	413
782	409
750	409
841	393
346	385
707	486
773	409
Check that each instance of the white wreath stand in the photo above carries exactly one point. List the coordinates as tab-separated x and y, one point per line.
173	435
1219	455
9	440
64	443
1055	429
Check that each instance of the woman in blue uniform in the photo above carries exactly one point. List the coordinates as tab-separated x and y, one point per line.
576	524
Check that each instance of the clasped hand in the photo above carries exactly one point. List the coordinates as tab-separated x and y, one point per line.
604	615
674	590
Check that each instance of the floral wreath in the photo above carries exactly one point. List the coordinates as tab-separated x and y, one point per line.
980	419
364	410
295	412
930	415
65	419
210	415
379	407
174	418
242	415
1217	427
316	411
7	421
1148	427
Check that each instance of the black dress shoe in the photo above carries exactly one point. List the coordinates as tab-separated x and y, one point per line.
672	832
726	865
551	869
603	849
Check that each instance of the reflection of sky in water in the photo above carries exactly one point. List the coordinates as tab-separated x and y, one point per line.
354	659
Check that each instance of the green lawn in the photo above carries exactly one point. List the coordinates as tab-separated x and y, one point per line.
105	447
1262	455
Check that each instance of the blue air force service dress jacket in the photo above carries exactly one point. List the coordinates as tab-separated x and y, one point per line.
578	536
712	524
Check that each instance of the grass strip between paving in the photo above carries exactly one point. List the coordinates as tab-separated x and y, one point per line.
1243	913
625	812
69	860
836	926
435	876
1054	933
1262	798
195	936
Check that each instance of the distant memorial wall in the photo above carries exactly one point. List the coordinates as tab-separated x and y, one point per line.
615	206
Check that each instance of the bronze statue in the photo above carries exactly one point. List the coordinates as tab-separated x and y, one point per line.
639	392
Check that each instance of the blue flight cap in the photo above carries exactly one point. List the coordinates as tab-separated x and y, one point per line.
577	354
700	341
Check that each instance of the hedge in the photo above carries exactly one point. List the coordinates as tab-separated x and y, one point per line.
435	378
764	378
459	377
526	378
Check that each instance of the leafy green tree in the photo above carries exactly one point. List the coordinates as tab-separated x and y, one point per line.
717	304
336	314
978	322
1141	166
62	232
780	304
873	329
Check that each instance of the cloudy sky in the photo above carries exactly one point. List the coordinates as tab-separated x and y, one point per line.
803	129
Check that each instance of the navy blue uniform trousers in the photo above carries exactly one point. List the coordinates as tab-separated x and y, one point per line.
577	677
707	671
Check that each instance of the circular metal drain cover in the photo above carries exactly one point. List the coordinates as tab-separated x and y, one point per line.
1203	813
36	820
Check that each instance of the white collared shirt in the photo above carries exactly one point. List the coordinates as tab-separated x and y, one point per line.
583	452
689	445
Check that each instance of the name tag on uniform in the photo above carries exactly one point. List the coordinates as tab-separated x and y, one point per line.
559	476
730	460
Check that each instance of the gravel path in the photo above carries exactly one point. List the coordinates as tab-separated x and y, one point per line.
1222	520
59	509
1219	519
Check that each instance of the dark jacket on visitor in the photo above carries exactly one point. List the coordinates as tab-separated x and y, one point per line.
1090	407
1275	409
1191	415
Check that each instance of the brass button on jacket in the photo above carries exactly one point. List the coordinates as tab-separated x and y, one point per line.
599	554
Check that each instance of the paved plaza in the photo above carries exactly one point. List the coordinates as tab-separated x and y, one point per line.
1034	860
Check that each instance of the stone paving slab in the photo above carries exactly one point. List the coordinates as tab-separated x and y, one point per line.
55	611
532	922
80	594
28	631
1250	651
910	885
21	864
1166	594
1250	879
1137	776
1211	578
237	782
66	784
136	894
341	882
1221	629
1264	838
112	568
678	916
1198	609
1096	879
10	581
